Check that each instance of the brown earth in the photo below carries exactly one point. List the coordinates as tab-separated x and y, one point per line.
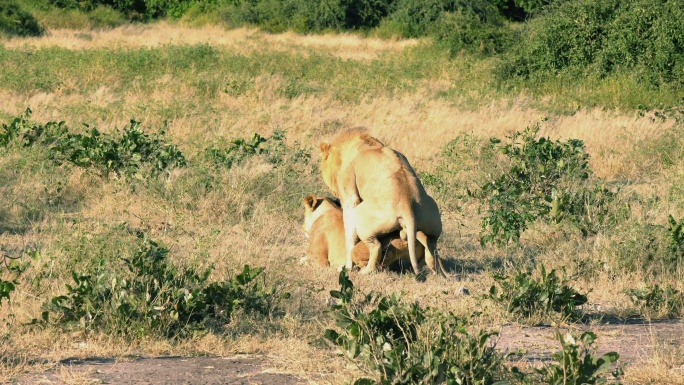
635	340
238	370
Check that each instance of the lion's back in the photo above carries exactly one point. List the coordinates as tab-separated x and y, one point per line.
384	175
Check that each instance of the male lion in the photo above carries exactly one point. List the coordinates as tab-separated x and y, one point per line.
380	193
324	227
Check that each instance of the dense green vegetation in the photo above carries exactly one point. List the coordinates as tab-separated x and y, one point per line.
15	21
147	235
599	38
540	45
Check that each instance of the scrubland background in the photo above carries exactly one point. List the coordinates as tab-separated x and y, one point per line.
434	80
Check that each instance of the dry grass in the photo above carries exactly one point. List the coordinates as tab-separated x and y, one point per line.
216	231
242	40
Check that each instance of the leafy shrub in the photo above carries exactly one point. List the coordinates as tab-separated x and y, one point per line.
151	296
649	248
415	17
603	37
308	16
675	234
6	288
474	26
524	296
546	179
237	151
569	35
302	15
365	13
656	301
16	22
476	29
577	363
16	269
274	149
407	344
647	36
520	9
133	9
25	133
130	154
587	208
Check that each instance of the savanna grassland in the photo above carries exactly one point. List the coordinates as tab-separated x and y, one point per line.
100	216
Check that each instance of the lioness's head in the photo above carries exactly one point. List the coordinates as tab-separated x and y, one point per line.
314	207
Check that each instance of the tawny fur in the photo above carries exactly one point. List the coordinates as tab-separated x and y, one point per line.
325	228
380	194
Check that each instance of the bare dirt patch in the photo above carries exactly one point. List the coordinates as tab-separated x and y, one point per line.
165	370
637	341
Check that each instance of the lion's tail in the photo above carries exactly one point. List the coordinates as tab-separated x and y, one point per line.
410	226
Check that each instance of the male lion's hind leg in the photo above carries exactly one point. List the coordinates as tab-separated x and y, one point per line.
431	258
371	224
350	235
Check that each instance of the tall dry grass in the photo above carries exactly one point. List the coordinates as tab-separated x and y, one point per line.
237	223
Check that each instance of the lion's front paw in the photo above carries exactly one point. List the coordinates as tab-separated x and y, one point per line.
368	270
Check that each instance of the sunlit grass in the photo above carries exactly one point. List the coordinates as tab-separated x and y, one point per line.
212	86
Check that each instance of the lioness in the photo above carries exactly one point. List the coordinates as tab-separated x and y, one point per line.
324	227
380	193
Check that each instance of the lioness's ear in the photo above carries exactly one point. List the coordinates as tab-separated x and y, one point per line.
309	201
324	147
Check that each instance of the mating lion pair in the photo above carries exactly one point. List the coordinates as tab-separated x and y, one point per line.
380	194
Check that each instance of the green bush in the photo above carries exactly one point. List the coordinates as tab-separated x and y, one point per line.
416	17
14	21
519	10
568	35
365	13
475	29
602	37
238	150
524	296
675	234
133	9
131	154
652	249
307	16
22	132
152	297
545	179
647	36
8	286
401	343
473	25
577	363
656	301
273	149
